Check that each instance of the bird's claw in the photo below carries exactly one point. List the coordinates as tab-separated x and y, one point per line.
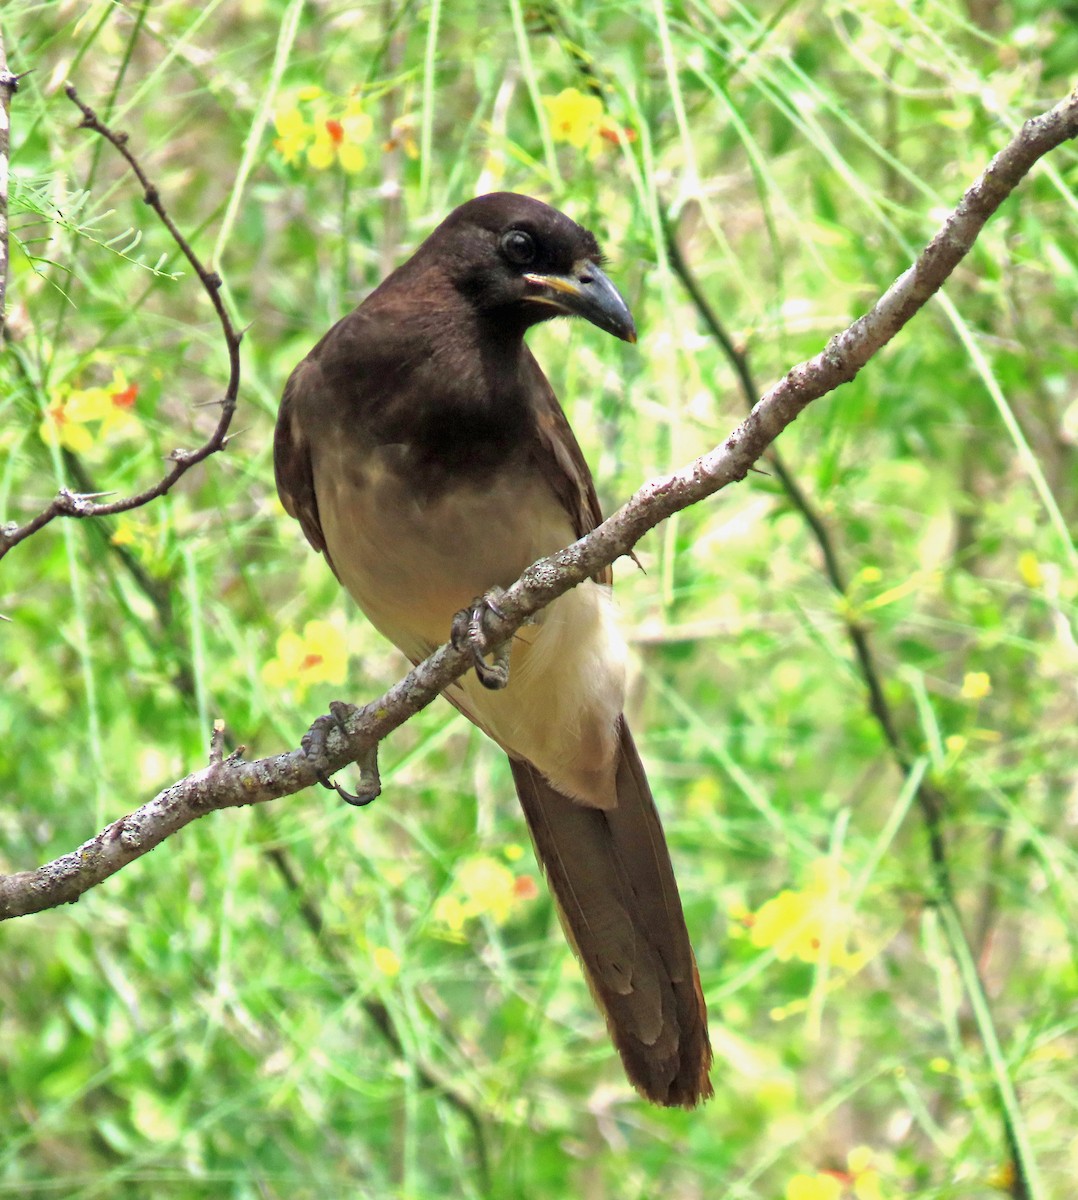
469	633
314	746
370	782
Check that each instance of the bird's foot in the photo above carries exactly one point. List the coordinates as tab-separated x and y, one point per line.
314	746
469	633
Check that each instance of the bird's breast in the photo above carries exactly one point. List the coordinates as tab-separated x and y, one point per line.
412	558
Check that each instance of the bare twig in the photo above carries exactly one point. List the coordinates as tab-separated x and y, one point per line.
72	504
9	85
233	783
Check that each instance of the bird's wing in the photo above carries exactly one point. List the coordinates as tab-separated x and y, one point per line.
292	457
561	460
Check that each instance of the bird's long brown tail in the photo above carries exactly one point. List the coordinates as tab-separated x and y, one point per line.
611	876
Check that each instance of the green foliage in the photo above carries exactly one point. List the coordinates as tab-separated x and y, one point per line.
211	1021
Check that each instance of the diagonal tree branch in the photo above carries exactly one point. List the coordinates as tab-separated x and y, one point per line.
230	782
73	504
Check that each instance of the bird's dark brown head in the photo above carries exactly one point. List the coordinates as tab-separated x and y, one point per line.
522	262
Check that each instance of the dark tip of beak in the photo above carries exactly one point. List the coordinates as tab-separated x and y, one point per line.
586	292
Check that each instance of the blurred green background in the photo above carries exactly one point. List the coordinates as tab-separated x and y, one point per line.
312	1001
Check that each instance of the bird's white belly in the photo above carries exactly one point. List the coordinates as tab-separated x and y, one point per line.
412	564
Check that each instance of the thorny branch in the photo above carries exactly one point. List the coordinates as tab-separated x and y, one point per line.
229	782
74	504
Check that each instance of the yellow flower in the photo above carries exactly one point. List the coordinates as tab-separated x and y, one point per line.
803	923
486	885
976	685
813	1187
1030	569
387	961
119	418
866	1179
126	532
331	134
64	426
319	655
293	134
575	118
340	138
483	887
450	912
73	413
860	1176
141	536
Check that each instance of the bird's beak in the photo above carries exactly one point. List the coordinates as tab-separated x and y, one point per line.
585	292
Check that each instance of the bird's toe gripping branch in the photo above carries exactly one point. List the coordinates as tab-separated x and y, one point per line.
469	633
314	746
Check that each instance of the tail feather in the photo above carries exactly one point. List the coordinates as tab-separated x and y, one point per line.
614	885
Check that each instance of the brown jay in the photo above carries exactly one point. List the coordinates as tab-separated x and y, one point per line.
423	452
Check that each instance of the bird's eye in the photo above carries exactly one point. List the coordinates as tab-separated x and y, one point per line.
518	247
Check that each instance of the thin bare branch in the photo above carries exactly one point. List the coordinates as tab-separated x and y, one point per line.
73	504
9	85
232	782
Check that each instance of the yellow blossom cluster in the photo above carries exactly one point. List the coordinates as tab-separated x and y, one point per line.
860	1181
808	923
579	120
81	419
322	130
483	886
317	655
